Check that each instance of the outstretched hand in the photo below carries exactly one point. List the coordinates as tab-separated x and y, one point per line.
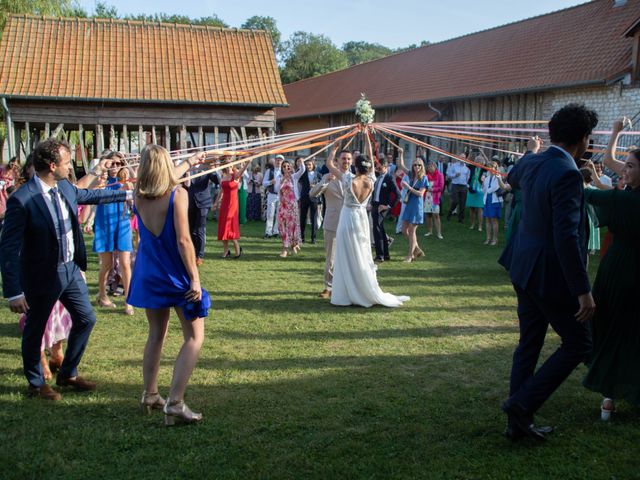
620	124
535	144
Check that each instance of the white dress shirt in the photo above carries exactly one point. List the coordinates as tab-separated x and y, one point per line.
66	217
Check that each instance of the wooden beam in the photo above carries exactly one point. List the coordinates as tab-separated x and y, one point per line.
83	153
46	131
215	136
57	130
183	138
140	138
154	135
167	137
27	129
100	140
125	134
112	138
200	137
244	134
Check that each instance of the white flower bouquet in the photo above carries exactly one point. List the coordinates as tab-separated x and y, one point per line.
364	111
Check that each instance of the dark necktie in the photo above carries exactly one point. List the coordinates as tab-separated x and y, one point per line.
62	235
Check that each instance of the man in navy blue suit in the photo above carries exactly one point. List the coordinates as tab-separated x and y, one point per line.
200	202
382	201
546	259
42	252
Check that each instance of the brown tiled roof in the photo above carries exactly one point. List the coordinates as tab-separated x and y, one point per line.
98	59
577	46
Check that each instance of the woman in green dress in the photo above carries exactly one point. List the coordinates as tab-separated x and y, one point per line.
475	197
613	367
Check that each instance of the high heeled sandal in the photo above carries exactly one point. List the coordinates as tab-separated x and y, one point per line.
605	413
227	255
179	412
107	304
150	402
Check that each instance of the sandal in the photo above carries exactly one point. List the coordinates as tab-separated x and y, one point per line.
105	303
605	413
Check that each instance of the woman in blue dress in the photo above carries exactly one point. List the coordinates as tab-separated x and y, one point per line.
415	184
112	236
492	202
165	276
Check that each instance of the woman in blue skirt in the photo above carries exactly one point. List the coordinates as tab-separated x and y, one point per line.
492	202
414	184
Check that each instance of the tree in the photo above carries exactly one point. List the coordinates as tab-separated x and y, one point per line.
413	46
35	7
265	23
307	55
360	52
103	10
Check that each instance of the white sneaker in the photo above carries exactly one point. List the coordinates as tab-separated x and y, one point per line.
428	234
440	237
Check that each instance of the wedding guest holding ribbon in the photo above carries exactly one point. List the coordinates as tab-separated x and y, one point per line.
42	253
112	236
308	204
432	199
254	198
166	276
271	175
475	197
385	195
288	215
613	367
200	202
415	184
243	188
491	188
228	216
458	173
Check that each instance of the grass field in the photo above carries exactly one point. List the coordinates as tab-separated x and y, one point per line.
293	388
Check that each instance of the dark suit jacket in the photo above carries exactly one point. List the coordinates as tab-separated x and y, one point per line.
388	188
305	185
29	249
548	252
199	191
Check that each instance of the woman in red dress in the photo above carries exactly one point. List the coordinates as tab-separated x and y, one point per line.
228	216
288	213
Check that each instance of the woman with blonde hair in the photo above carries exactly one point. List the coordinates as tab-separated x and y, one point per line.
415	184
165	275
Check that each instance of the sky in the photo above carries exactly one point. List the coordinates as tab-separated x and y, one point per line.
392	23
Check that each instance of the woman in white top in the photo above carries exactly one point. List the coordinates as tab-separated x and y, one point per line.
491	187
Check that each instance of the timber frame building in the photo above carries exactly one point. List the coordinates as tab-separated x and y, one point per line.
121	84
525	70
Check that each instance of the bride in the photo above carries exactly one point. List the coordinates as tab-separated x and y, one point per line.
354	273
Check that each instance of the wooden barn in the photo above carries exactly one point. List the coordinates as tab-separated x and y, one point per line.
120	84
525	70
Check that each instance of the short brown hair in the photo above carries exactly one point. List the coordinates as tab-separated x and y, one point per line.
48	152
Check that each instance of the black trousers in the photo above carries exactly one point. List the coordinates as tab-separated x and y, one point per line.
198	229
530	389
458	199
379	234
308	207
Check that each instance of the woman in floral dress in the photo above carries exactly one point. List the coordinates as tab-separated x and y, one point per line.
288	215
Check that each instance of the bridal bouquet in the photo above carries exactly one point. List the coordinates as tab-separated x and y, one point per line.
364	111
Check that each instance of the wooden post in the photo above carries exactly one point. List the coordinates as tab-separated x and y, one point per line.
244	134
215	136
125	134
47	130
183	138
27	129
57	130
154	136
100	140
140	138
167	137
200	137
83	152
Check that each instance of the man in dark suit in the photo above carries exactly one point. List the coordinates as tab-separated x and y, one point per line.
308	204
546	259
382	201
41	255
200	202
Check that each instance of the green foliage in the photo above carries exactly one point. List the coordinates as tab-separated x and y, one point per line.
36	7
360	52
269	24
212	21
413	46
104	10
307	55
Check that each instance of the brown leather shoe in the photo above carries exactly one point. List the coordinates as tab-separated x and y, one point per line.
325	293
45	392
78	383
199	261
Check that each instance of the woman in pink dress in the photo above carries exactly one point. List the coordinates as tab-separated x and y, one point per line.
288	215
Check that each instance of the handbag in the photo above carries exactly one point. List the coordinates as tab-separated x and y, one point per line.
407	194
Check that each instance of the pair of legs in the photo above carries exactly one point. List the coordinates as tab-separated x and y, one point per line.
308	207
106	264
198	229
57	357
434	219
271	226
458	200
409	231
475	214
225	247
193	334
492	231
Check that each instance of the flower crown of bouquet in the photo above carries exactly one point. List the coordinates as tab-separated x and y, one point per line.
364	111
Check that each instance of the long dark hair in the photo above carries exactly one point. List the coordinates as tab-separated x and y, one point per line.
363	165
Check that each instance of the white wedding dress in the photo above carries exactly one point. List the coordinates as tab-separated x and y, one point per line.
354	273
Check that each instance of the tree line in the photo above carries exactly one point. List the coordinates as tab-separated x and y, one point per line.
302	55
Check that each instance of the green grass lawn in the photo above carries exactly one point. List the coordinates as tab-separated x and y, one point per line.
292	387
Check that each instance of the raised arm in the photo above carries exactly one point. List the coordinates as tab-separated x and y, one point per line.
331	165
186	165
610	160
244	169
90	180
400	163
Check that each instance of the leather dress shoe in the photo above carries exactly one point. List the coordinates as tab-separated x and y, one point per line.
378	259
45	392
78	383
514	433
520	420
